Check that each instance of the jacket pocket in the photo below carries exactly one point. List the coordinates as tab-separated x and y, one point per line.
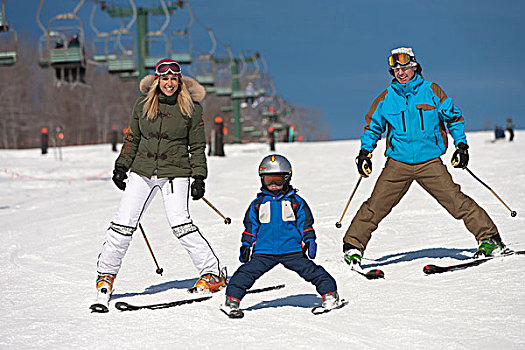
424	107
287	211
265	213
395	115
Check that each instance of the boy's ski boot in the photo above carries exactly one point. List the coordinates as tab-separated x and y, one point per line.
352	256
231	307
104	290
330	302
490	247
209	283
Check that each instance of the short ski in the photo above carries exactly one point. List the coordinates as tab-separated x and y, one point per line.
318	310
234	313
123	306
433	269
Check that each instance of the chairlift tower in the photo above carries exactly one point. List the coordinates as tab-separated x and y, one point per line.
142	29
236	94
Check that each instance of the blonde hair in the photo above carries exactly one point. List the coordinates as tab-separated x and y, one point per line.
151	105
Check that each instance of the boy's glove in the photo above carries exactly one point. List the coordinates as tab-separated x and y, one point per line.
119	175
364	164
244	256
311	247
197	188
460	156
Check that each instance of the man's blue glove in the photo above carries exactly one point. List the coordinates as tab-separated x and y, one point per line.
244	256
310	247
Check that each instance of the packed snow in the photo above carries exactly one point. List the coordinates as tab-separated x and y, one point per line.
54	214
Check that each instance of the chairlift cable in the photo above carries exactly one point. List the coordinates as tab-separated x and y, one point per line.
214	42
190	12
243	65
38	17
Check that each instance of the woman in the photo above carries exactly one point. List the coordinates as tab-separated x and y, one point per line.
163	147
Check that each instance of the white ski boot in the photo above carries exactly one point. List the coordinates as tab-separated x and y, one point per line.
104	290
231	307
330	302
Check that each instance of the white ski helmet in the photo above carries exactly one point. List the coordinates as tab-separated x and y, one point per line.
275	164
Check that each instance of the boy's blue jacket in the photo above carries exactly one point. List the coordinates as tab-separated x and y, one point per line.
277	224
414	116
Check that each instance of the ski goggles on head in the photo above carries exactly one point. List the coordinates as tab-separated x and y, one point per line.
167	67
274	179
400	58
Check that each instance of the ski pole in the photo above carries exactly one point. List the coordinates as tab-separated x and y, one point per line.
226	220
512	212
159	269
338	224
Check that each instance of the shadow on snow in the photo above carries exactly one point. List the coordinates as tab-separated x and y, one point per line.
437	253
158	288
299	300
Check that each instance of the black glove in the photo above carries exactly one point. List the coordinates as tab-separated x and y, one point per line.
364	164
244	256
460	156
197	188
119	175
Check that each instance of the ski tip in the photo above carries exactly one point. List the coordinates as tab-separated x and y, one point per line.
99	308
375	274
122	306
430	269
233	314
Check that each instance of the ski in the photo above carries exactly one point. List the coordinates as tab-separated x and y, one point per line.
433	269
101	304
234	313
319	310
372	274
101	308
123	306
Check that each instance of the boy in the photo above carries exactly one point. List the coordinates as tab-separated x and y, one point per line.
276	223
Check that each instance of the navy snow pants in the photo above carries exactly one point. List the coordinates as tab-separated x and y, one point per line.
246	275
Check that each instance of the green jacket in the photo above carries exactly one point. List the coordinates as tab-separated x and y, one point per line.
172	144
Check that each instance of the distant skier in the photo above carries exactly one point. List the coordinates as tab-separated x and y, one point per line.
414	112
509	126
498	133
277	223
163	149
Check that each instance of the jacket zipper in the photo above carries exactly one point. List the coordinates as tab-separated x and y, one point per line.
403	117
421	115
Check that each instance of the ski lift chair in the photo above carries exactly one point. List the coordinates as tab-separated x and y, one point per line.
8	54
70	55
183	57
122	61
161	52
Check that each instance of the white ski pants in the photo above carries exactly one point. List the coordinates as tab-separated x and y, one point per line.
139	193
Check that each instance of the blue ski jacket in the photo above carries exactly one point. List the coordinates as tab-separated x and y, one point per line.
414	117
277	224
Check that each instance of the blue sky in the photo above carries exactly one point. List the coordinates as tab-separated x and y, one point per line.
331	55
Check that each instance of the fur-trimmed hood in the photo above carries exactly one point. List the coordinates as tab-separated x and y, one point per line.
197	91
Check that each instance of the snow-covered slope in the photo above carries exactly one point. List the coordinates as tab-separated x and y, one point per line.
54	215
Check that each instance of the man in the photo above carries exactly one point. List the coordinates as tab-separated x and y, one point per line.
413	112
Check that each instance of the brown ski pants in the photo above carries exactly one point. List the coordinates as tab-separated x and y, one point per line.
394	182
